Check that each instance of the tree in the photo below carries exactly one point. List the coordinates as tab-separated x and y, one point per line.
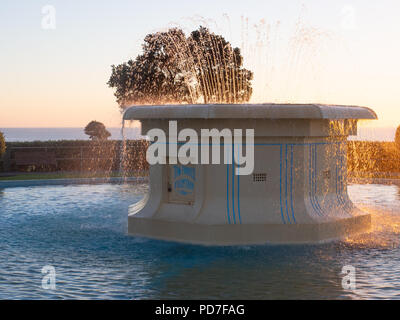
174	68
397	137
219	68
97	131
2	144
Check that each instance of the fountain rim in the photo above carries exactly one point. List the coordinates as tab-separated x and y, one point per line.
248	111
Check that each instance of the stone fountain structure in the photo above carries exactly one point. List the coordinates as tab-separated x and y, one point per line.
297	192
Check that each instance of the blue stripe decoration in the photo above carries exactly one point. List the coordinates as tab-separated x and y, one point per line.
339	181
347	204
238	189
315	180
310	180
291	182
286	183
338	177
227	192
286	204
280	184
233	185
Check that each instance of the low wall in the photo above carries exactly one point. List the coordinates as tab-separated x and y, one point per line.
365	158
77	155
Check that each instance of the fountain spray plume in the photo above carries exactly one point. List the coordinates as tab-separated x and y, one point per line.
122	151
202	67
210	67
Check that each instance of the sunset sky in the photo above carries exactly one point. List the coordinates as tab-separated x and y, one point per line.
339	52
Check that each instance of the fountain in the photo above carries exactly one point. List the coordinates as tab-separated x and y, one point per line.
297	192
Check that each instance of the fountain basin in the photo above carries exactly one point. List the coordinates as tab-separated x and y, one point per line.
297	192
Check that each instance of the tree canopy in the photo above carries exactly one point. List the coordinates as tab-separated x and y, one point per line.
173	68
97	131
2	144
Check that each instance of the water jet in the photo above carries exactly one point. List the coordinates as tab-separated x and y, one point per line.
297	192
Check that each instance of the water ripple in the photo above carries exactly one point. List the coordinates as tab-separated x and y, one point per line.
81	231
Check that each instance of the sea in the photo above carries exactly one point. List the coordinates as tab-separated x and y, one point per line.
44	134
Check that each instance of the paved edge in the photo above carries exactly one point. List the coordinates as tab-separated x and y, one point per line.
47	182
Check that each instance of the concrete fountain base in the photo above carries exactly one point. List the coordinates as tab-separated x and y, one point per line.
248	234
297	192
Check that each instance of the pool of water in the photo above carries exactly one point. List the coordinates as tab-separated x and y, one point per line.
80	230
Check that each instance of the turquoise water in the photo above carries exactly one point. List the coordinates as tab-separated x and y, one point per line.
81	231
